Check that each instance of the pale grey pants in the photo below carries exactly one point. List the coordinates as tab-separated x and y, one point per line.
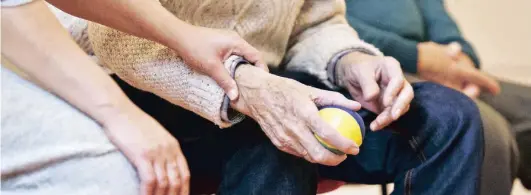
50	148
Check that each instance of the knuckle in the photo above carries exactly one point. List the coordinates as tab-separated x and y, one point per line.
339	95
163	183
150	180
175	183
319	157
186	177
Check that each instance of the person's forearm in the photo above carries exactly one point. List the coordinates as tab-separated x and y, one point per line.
34	41
146	19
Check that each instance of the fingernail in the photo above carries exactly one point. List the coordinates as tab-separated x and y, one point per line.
396	113
353	150
233	94
373	126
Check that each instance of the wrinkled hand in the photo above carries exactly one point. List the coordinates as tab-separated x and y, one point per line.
287	112
378	84
154	152
447	65
205	50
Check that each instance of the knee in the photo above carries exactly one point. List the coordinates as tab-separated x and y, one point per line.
455	115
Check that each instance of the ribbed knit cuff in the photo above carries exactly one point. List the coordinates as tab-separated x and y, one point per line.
228	114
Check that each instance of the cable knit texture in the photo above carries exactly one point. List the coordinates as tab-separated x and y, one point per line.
300	35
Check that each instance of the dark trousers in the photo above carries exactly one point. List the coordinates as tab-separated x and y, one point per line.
514	104
436	148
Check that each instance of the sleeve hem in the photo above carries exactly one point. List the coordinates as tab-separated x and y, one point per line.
331	67
229	115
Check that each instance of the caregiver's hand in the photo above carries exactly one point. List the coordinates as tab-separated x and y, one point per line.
378	84
154	152
205	50
287	112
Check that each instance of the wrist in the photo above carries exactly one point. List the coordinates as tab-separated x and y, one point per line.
352	58
250	75
421	61
116	110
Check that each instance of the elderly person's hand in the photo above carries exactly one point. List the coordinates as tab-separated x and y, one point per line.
287	112
378	84
447	65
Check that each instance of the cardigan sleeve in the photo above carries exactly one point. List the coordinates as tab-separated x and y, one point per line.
320	37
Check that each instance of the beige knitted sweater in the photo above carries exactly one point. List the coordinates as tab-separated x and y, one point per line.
297	34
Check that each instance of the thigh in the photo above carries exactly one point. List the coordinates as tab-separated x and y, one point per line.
49	147
240	158
513	103
500	162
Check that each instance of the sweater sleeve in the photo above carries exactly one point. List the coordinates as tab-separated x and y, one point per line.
441	27
391	44
157	69
320	35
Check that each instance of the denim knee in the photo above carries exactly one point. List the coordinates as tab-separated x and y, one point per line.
448	117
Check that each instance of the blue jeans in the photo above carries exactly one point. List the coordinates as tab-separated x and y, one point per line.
436	148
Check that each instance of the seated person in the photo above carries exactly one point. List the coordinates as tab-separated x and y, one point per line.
427	42
434	146
428	149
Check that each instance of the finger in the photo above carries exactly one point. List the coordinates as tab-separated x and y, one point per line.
454	49
184	172
382	120
391	91
250	54
162	178
328	98
482	80
147	177
173	178
331	135
315	151
222	77
368	85
393	73
471	90
275	135
403	101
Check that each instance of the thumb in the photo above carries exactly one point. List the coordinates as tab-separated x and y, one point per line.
224	80
453	49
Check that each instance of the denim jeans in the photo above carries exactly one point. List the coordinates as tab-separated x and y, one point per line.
436	148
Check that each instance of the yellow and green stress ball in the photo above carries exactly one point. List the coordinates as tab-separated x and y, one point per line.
347	122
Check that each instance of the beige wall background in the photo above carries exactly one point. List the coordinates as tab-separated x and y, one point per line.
501	33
